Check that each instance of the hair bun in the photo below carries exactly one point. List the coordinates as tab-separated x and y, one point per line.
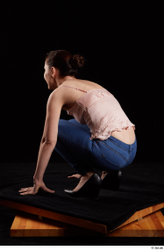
65	62
76	61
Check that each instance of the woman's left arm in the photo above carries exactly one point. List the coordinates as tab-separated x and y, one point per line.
47	145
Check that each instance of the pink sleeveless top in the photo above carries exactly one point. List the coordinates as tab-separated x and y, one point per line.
100	110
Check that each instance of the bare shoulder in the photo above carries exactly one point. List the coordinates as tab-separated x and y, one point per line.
62	98
67	94
82	84
56	97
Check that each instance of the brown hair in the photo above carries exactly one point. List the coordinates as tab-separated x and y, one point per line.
65	62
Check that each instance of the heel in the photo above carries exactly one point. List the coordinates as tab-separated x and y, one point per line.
112	180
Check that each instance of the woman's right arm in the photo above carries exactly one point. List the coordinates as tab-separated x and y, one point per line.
48	143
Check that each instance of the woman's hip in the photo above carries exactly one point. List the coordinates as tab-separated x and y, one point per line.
114	153
109	153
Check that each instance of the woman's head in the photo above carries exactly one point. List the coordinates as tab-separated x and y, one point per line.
65	62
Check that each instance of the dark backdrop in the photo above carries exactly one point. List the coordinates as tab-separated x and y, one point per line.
121	42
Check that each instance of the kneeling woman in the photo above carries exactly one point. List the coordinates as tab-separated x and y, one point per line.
100	137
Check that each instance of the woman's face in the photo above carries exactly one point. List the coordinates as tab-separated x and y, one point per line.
48	77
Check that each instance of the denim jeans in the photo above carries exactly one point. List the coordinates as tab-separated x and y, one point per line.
84	155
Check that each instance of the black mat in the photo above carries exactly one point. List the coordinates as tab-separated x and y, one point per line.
142	186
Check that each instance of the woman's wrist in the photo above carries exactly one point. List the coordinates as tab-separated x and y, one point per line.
37	179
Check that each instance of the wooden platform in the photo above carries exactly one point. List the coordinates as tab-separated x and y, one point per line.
148	222
101	228
151	225
27	225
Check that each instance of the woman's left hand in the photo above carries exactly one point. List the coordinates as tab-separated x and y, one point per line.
77	176
33	190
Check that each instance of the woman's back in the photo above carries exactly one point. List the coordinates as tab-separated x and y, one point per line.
99	109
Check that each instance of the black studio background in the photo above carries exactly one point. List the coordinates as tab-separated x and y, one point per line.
121	42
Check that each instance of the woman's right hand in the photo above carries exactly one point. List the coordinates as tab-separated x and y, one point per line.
33	190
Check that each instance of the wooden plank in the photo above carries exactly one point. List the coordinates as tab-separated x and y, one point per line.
56	216
160	218
151	225
77	221
27	225
142	213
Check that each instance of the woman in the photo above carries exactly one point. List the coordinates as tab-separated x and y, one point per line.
100	137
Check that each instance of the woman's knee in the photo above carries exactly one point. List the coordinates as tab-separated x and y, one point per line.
70	123
62	122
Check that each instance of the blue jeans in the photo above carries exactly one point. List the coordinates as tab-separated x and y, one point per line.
83	154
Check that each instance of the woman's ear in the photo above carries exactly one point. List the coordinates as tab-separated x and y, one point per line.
53	72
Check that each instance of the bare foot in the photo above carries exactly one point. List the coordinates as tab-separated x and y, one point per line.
83	180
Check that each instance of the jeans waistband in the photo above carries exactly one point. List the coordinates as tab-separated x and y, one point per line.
128	147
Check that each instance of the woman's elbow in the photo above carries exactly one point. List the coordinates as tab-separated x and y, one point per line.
49	143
